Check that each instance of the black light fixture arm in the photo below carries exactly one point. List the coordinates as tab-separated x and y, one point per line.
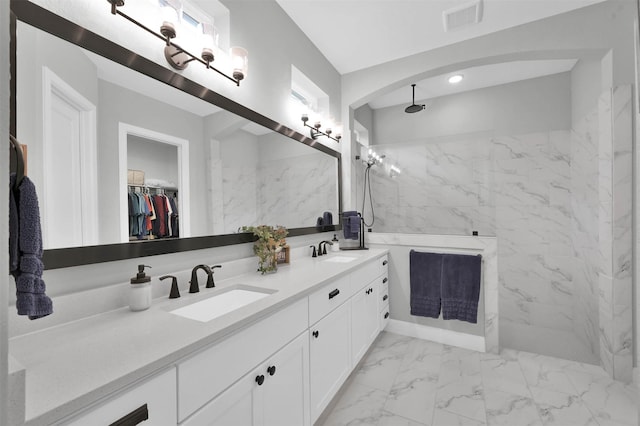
315	131
176	48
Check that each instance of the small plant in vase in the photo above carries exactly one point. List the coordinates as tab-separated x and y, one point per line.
270	241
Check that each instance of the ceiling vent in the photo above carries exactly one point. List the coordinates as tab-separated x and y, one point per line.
462	16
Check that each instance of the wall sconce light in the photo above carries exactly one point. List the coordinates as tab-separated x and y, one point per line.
374	158
178	57
394	171
315	130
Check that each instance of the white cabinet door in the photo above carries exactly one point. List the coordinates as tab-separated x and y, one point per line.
264	399
330	357
364	319
154	400
285	393
233	407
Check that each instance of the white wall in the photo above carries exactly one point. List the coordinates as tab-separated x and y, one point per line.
517	108
158	160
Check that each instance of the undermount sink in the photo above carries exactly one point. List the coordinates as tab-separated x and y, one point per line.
225	301
340	259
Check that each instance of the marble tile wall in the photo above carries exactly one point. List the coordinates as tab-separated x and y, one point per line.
516	188
279	183
559	203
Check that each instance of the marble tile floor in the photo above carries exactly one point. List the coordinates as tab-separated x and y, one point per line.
404	381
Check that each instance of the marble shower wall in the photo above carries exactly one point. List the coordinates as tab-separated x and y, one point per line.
516	188
252	195
559	203
615	193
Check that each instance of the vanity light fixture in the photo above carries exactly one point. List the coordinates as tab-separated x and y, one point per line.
178	57
455	79
315	129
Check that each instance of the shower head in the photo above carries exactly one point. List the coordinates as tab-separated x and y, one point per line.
413	107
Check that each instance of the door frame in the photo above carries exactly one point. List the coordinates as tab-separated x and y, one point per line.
124	131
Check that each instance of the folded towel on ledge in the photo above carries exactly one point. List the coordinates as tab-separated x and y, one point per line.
327	218
461	276
425	277
351	225
25	250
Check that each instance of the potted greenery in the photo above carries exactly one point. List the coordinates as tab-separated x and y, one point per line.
270	241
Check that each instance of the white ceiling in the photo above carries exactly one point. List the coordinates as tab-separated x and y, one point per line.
474	78
357	34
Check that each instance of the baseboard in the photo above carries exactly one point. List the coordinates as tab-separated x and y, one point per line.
439	335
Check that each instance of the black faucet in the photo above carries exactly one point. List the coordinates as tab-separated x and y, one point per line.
175	292
210	283
194	287
322	249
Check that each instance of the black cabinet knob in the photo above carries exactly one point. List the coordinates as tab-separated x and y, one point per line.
385	297
384	263
271	370
384	280
316	334
260	379
386	315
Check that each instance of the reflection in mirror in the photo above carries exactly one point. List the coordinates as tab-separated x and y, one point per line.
90	122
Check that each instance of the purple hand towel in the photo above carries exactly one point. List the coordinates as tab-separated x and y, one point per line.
461	287
26	260
425	277
350	225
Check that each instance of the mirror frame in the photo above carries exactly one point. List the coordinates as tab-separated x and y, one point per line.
45	20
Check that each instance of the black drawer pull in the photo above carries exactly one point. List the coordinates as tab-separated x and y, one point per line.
384	281
384	263
271	370
385	297
386	315
260	379
334	293
135	417
316	334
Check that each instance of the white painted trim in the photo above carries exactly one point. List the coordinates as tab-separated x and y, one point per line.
184	199
87	155
438	335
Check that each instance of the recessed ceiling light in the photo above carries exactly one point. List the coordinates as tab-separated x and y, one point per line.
456	78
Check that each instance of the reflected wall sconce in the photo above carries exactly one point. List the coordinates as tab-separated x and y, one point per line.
394	171
315	130
178	57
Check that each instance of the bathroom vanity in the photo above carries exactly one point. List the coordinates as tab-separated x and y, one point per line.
278	360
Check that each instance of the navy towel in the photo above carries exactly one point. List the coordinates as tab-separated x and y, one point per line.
25	250
461	287
351	225
425	276
327	218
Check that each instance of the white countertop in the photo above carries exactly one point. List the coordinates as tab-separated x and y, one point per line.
76	364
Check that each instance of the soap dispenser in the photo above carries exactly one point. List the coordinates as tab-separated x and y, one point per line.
140	290
335	244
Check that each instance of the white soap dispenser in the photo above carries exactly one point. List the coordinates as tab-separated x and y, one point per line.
335	246
140	290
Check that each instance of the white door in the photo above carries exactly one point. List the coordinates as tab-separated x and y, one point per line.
233	407
330	365
285	399
63	207
70	200
364	320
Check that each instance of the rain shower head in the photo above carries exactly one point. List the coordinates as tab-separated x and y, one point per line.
413	107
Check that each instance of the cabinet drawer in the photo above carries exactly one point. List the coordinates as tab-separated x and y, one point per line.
365	274
328	298
208	373
154	400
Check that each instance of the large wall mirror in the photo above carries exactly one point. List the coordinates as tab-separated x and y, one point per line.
106	141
